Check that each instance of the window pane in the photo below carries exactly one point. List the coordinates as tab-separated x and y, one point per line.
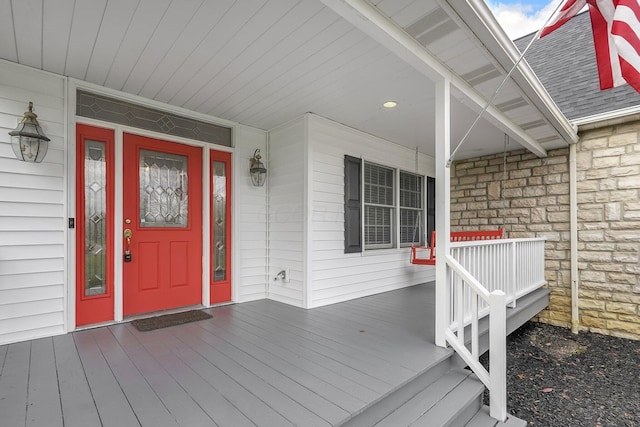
164	197
409	231
378	185
219	221
410	190
95	218
411	212
378	225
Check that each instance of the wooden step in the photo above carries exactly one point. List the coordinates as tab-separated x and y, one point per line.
381	408
450	401
483	419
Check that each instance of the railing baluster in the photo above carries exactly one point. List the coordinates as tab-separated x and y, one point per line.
513	286
474	328
460	314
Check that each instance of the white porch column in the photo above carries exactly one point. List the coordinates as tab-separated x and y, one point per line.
443	205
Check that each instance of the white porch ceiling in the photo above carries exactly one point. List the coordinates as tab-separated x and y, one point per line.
265	62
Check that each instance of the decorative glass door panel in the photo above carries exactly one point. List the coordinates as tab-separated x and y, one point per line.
219	221
95	217
164	184
220	226
162	214
94	224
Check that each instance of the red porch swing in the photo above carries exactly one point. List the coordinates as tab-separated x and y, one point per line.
426	255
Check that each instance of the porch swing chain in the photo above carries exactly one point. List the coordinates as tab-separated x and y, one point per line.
417	223
504	179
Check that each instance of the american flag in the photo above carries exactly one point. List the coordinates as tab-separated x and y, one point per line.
616	36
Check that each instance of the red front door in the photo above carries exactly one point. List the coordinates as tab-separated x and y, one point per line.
162	214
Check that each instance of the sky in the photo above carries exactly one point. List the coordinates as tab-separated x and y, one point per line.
520	18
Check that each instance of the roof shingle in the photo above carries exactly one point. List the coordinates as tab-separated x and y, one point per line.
565	64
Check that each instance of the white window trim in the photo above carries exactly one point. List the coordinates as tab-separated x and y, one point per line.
395	211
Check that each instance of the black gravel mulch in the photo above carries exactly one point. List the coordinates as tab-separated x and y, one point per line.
556	378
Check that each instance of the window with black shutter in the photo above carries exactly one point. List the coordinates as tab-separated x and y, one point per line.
382	196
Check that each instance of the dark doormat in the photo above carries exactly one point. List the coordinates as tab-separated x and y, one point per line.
166	320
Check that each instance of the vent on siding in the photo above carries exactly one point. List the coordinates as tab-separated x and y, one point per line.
126	113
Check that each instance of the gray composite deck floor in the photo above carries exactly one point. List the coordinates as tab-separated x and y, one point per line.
261	363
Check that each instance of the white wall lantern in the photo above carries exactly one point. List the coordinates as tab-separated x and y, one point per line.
28	141
257	170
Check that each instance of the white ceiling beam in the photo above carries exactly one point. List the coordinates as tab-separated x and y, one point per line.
368	19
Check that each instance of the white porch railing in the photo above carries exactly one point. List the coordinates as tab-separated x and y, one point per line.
514	266
484	277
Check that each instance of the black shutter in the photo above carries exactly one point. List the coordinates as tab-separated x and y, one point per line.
352	205
431	207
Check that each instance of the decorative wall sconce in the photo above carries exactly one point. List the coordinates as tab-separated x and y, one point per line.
28	141
257	170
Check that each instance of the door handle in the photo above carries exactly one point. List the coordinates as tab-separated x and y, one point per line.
127	245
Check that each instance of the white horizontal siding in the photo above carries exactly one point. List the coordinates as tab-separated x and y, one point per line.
32	211
250	219
336	276
13	223
33	181
287	212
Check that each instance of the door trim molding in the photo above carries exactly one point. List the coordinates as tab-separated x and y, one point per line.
72	85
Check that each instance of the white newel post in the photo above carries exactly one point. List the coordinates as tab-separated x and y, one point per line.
498	355
443	203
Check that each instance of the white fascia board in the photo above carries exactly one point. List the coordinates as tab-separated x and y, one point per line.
608	118
369	20
497	42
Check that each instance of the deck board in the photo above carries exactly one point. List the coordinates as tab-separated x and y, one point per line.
247	357
281	403
14	383
162	344
363	369
330	335
185	410
76	399
321	382
44	408
260	363
112	404
335	373
148	408
287	364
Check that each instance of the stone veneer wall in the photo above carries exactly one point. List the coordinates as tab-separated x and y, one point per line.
608	164
533	201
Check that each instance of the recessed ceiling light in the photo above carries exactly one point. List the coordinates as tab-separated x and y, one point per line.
390	104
